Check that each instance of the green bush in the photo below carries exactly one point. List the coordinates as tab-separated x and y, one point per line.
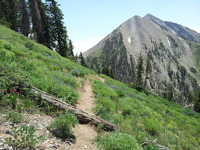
118	141
78	72
12	78
105	108
100	89
26	104
61	127
152	126
23	138
15	117
29	45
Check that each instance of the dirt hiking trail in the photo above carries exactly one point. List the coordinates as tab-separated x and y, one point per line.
85	133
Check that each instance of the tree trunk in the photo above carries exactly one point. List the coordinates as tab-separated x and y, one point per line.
161	147
37	21
82	116
25	23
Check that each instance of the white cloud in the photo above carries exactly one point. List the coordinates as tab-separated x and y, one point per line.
82	46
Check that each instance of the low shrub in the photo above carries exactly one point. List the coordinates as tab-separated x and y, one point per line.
78	72
29	45
15	117
105	108
118	141
23	138
61	127
13	79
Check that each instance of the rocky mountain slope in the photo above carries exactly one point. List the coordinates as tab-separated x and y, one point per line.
172	50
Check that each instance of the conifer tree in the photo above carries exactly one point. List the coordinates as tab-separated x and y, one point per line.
25	22
105	71
70	50
111	73
197	102
148	67
9	13
58	34
37	20
139	74
82	60
43	20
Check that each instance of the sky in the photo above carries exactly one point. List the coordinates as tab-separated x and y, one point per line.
89	21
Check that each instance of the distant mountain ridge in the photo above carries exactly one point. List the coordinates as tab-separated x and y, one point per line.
175	28
172	49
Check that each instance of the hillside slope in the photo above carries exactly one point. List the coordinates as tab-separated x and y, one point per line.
138	116
171	49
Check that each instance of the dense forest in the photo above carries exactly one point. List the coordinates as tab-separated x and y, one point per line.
38	20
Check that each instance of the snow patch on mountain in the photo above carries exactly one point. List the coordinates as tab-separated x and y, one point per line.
129	39
168	41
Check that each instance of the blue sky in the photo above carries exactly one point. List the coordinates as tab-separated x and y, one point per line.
88	21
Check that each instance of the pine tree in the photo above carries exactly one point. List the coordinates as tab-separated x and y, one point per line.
82	60
9	13
139	74
111	73
37	20
3	15
148	67
46	21
70	51
43	20
105	71
58	31
197	102
25	22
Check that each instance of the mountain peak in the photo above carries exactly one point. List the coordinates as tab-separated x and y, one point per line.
150	17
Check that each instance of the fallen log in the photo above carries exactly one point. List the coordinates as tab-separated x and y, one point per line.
82	116
161	147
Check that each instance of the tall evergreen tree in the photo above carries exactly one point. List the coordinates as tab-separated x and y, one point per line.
46	20
82	60
139	74
105	71
37	20
59	36
43	20
25	22
9	13
71	47
148	67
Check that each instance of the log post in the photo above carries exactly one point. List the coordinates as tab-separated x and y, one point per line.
82	116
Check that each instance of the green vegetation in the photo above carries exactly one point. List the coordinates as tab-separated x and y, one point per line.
44	68
139	73
61	127
23	64
24	137
145	117
118	141
15	117
197	55
39	20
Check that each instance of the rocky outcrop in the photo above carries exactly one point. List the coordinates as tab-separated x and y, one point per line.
171	49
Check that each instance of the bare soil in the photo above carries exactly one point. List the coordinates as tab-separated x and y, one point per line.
85	133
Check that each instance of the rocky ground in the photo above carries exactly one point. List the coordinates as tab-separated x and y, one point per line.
40	121
85	133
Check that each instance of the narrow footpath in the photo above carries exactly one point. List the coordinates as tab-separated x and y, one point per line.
85	133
